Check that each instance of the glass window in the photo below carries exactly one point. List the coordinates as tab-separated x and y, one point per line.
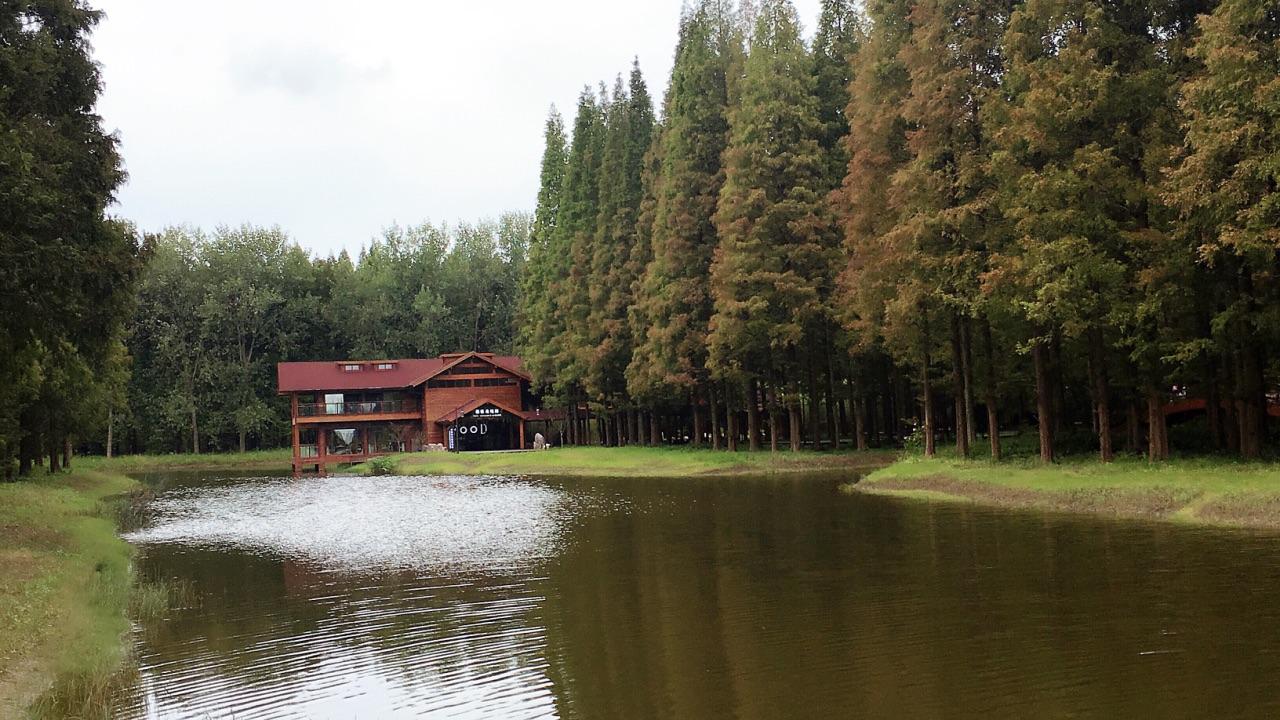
385	366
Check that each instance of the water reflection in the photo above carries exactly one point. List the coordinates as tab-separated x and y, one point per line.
771	598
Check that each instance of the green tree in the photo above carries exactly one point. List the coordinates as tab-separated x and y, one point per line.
1226	192
669	362
1070	160
535	314
628	135
773	256
66	269
871	291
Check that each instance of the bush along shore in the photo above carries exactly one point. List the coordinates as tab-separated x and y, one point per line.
1207	490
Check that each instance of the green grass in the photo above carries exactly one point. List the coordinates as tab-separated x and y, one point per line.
64	583
1211	490
1219	475
632	462
273	459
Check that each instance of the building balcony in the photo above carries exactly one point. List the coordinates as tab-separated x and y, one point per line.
363	410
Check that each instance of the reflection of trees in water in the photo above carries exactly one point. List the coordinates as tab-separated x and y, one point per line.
775	598
266	622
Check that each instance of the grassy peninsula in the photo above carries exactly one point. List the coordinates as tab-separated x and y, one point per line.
65	584
634	462
1209	490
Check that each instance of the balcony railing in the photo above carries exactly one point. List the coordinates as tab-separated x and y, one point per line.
370	407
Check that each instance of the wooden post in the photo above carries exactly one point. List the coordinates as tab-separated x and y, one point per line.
523	446
297	440
322	449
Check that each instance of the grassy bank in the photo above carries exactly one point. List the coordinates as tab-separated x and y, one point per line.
64	585
1215	491
255	459
633	462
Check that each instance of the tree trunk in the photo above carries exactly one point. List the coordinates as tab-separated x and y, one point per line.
926	390
714	408
860	421
815	427
1135	430
655	438
28	450
966	355
111	423
52	449
730	423
957	378
695	434
753	415
1101	394
242	441
793	409
1251	402
1044	400
1157	436
1213	404
195	432
773	418
991	399
1058	384
833	400
66	453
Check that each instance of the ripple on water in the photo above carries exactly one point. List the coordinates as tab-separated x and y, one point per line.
362	523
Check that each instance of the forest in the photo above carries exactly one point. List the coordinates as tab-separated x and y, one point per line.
937	219
926	221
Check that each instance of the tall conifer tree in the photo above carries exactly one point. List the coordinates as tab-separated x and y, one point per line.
535	306
627	139
670	360
1227	192
773	255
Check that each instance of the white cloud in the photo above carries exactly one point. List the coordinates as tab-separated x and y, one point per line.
334	120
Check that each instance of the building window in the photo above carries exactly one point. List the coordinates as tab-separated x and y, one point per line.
494	382
351	367
448	383
385	366
470	370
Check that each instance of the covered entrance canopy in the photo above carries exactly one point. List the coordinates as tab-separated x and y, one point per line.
484	424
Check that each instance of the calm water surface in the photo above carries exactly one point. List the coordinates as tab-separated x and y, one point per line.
772	598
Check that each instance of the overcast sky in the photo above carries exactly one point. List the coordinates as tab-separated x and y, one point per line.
334	124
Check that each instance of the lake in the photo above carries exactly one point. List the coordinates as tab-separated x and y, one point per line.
779	597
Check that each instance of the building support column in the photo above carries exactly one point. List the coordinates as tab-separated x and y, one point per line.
322	448
523	446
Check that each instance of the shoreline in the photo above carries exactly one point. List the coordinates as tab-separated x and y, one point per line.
67	578
1206	492
639	462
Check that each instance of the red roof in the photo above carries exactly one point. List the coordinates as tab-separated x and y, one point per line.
331	375
456	413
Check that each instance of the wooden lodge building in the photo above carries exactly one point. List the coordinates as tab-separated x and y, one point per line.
351	410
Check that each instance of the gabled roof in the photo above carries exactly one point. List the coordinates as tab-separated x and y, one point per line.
329	375
510	363
472	405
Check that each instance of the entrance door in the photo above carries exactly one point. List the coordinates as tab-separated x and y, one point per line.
485	428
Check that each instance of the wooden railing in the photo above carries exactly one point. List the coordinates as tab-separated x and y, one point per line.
369	407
